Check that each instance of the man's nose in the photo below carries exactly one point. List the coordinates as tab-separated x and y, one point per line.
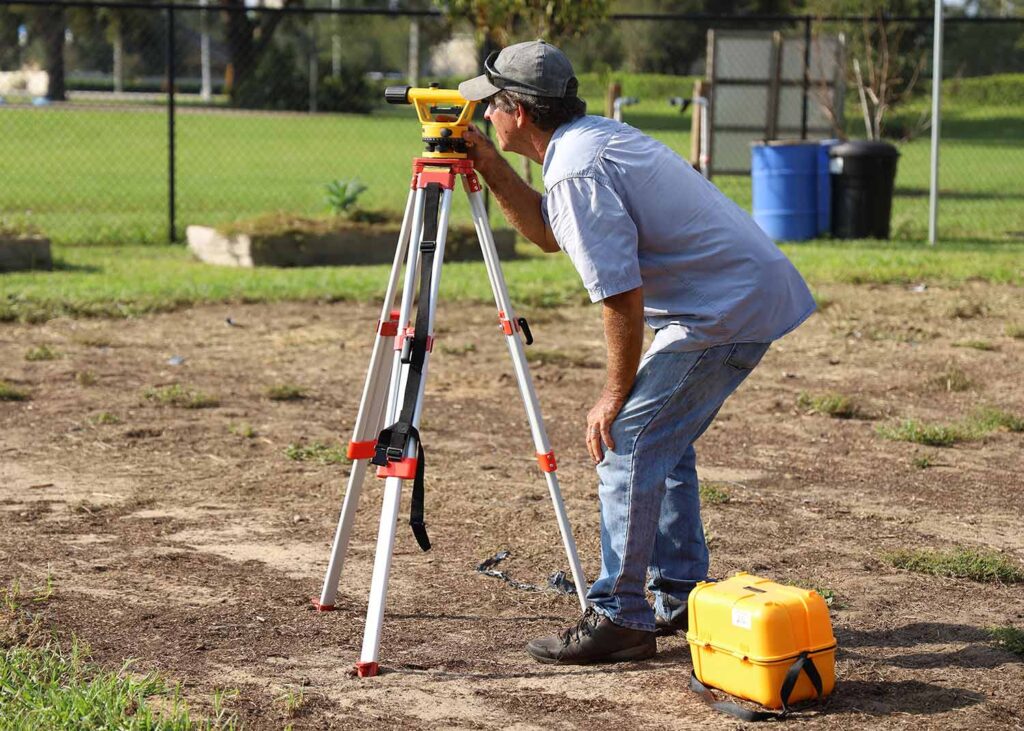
487	113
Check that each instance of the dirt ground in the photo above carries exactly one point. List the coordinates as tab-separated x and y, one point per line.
187	539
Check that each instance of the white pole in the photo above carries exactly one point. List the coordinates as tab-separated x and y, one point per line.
336	41
933	196
204	53
414	52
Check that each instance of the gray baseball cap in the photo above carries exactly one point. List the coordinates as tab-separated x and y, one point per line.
533	67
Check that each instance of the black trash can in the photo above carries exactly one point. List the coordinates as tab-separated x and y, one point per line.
863	173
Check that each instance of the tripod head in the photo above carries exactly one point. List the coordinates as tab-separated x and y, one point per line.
444	114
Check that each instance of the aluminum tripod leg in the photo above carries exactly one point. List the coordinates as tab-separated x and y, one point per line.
367	665
507	317
369	419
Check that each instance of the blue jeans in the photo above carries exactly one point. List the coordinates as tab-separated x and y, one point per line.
650	505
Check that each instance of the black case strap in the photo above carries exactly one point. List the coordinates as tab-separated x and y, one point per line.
803	663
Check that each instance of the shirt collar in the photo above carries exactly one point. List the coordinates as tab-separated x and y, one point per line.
548	154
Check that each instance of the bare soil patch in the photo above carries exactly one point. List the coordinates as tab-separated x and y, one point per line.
186	538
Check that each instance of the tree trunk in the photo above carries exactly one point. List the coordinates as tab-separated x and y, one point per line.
246	39
239	31
51	27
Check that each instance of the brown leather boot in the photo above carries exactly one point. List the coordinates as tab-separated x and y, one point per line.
664	627
595	638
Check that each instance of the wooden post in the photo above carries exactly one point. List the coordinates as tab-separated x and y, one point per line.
613	93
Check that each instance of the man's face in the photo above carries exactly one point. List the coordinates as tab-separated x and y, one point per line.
504	125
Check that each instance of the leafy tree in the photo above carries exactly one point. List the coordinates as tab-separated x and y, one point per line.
497	21
248	37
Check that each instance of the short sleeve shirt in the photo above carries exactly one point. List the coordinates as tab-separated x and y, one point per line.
630	212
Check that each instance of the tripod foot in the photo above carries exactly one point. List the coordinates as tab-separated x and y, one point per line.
367	669
321	607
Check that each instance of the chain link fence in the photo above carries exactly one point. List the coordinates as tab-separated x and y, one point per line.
272	106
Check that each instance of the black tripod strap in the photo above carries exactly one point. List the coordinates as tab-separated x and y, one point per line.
803	663
419	528
393	440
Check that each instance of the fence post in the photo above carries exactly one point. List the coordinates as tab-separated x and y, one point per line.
172	233
933	188
807	75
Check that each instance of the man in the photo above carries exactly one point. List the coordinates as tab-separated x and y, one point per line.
649	237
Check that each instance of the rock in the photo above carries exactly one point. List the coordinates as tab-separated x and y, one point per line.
18	253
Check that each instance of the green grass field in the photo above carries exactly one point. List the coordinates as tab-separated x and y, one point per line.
122	281
89	175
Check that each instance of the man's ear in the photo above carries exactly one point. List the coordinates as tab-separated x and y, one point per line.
522	116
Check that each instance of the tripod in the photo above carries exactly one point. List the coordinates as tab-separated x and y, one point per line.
393	394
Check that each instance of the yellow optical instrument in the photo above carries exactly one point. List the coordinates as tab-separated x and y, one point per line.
444	114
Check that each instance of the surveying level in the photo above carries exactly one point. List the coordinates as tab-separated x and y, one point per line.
444	114
386	433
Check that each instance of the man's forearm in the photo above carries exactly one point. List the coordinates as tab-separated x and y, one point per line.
519	202
624	334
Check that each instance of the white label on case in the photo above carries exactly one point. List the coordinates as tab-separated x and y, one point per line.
741	618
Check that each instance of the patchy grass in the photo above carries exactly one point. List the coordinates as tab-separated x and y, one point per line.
10	393
243	430
952	379
1015	330
1010	639
315	452
104	418
286	392
43	352
959	563
989	419
291	701
831	404
460	349
85	378
985	345
713	493
181	397
932	435
93	340
540	356
923	462
967	310
46	684
832	599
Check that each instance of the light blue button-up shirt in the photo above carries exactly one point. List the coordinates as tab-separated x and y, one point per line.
631	213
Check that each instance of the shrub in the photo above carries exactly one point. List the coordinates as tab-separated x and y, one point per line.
342	195
280	81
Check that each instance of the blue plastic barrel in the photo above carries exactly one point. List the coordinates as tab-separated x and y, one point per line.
785	179
824	187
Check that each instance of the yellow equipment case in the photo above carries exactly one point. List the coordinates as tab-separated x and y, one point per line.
759	640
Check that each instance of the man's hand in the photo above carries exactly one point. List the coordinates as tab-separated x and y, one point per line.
623	316
599	424
481	150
